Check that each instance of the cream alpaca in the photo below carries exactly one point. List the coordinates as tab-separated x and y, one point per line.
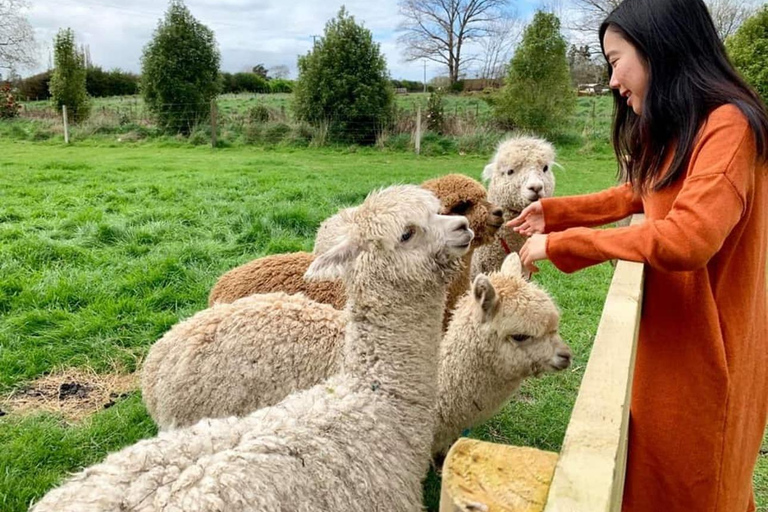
358	441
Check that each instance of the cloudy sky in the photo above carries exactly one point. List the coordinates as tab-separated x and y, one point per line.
249	32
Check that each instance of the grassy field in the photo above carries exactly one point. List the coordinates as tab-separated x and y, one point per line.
104	246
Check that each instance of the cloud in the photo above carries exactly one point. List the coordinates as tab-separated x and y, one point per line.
248	32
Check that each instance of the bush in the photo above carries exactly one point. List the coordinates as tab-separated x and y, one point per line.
457	87
537	95
249	82
36	87
258	114
102	84
9	107
180	71
67	83
280	85
748	49
343	81
435	116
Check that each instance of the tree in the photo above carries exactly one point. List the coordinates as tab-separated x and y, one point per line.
180	70
585	68
726	14
537	95
69	76
260	70
344	82
748	49
280	71
17	41
503	35
439	30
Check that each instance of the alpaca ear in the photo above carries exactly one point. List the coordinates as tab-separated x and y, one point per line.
334	262
485	295
488	172
512	267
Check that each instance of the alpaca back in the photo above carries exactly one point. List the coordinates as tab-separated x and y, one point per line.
311	452
235	358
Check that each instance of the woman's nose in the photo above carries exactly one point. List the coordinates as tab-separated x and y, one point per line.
613	83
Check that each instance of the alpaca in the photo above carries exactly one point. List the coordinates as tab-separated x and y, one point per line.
358	441
458	194
519	174
502	332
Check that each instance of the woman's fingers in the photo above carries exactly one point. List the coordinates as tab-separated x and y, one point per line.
522	217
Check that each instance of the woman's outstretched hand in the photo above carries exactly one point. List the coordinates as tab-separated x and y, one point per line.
530	221
534	249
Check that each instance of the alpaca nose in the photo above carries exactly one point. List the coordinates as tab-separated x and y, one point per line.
564	358
536	188
496	211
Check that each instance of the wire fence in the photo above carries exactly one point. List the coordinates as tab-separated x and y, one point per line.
231	120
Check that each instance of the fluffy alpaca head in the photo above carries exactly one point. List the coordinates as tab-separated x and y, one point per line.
521	323
461	195
520	172
397	235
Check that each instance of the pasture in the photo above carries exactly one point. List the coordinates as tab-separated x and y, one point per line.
104	246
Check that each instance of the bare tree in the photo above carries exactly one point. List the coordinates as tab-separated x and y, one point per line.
728	15
502	37
17	41
280	71
438	30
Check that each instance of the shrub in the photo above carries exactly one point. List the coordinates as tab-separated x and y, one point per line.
435	116
258	114
249	82
748	49
537	95
67	83
180	71
9	107
280	85
344	81
36	87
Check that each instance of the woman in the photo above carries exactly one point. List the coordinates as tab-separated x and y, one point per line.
692	138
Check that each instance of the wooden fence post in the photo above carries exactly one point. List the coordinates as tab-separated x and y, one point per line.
213	123
66	124
417	142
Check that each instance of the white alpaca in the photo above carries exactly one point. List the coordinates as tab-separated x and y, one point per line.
519	174
360	440
236	358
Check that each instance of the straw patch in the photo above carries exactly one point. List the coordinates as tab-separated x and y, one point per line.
73	393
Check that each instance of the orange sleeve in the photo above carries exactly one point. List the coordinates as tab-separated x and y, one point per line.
590	209
708	206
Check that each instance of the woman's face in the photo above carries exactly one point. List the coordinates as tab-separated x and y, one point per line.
630	74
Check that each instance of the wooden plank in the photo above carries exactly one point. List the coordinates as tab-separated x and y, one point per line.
590	472
488	477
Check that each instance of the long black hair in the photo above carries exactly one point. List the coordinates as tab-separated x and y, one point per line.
689	76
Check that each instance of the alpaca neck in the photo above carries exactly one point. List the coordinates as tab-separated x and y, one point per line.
458	287
469	389
392	339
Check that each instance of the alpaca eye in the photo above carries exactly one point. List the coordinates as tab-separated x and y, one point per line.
461	208
510	172
546	168
520	337
407	234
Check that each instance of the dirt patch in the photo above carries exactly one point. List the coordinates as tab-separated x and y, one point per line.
72	393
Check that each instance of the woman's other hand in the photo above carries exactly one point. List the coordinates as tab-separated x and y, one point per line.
534	249
530	221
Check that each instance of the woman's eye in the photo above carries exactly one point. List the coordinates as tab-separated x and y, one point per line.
407	235
520	337
510	172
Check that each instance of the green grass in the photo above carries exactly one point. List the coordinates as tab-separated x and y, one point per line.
104	246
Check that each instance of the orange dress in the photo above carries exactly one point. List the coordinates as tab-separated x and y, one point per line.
700	389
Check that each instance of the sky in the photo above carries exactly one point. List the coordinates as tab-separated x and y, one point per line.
248	32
